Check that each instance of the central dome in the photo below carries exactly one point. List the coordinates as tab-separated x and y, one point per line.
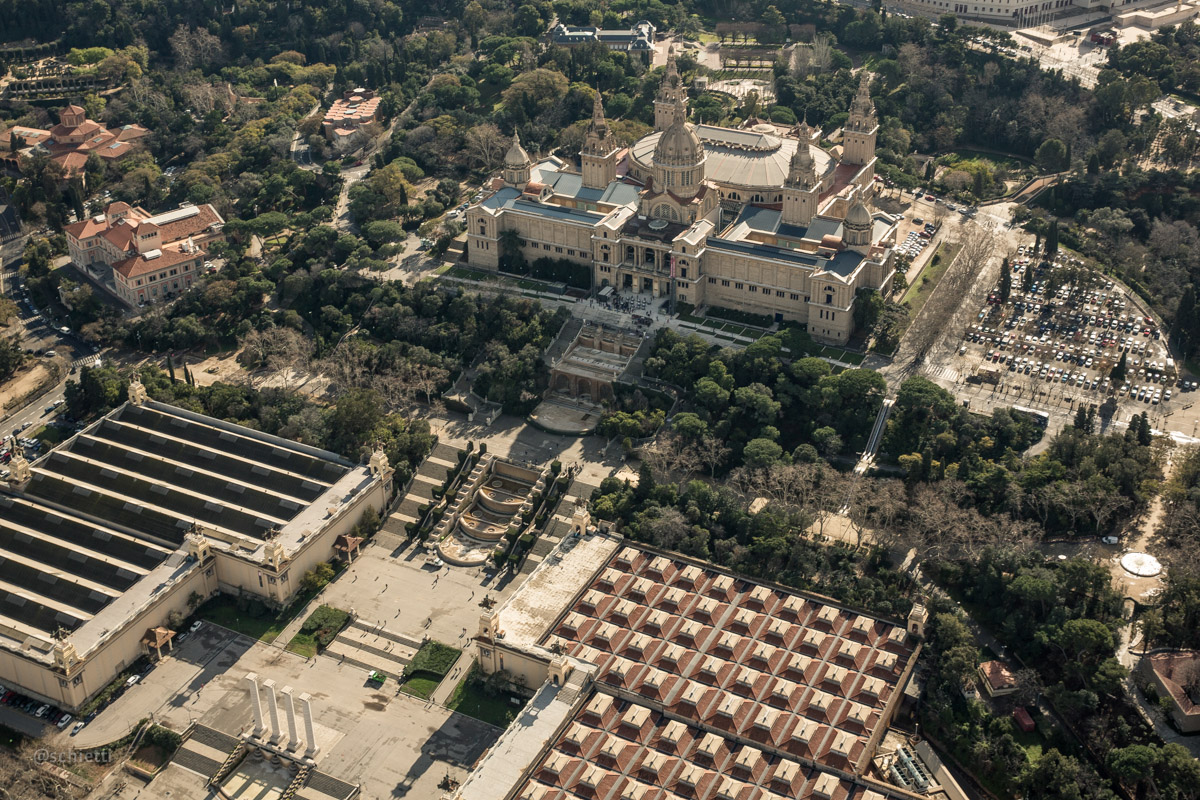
679	146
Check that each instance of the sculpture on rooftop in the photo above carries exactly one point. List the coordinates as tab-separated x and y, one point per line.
379	461
19	467
137	393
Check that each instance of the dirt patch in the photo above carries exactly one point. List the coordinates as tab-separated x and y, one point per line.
222	368
24	383
150	757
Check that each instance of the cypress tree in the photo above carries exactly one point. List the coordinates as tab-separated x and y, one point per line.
1052	239
1144	431
171	367
1005	281
1118	373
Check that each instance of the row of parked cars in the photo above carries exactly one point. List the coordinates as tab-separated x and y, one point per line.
38	709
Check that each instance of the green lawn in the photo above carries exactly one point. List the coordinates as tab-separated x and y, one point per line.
920	290
466	273
51	435
302	644
264	626
470	698
839	354
1032	743
434	657
1009	162
420	685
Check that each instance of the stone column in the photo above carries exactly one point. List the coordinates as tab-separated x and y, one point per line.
276	732
259	727
312	749
294	741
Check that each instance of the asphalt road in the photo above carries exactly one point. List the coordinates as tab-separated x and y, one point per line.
37	333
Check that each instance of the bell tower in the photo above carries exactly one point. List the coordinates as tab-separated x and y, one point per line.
801	189
670	92
599	155
858	137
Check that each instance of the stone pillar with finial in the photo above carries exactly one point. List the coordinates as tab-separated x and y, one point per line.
260	727
276	733
313	748
289	707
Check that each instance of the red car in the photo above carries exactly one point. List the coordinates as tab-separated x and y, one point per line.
930	198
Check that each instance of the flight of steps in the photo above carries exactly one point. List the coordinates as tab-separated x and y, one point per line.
297	783
365	646
209	751
432	472
230	763
322	787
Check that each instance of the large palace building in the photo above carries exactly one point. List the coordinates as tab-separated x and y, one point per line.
148	511
747	219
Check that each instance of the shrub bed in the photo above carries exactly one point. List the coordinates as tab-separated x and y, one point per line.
324	624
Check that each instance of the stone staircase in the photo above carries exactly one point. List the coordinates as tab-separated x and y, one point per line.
210	753
432	472
231	761
196	762
365	646
214	738
566	336
297	783
560	525
322	787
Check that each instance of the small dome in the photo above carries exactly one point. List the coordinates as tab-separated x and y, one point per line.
831	242
516	156
679	145
859	216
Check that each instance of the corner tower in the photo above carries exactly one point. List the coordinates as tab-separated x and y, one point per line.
858	137
598	157
801	189
670	92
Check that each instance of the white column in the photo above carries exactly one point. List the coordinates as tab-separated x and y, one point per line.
259	727
276	732
313	749
289	705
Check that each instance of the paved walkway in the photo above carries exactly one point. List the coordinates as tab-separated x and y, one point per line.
441	695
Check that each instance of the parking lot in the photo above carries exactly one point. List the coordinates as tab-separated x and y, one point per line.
1057	339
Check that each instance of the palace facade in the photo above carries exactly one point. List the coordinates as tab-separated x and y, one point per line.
753	219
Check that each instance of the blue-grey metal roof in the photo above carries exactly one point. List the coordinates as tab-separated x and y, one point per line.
620	194
760	219
500	198
821	227
842	264
557	212
769	220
